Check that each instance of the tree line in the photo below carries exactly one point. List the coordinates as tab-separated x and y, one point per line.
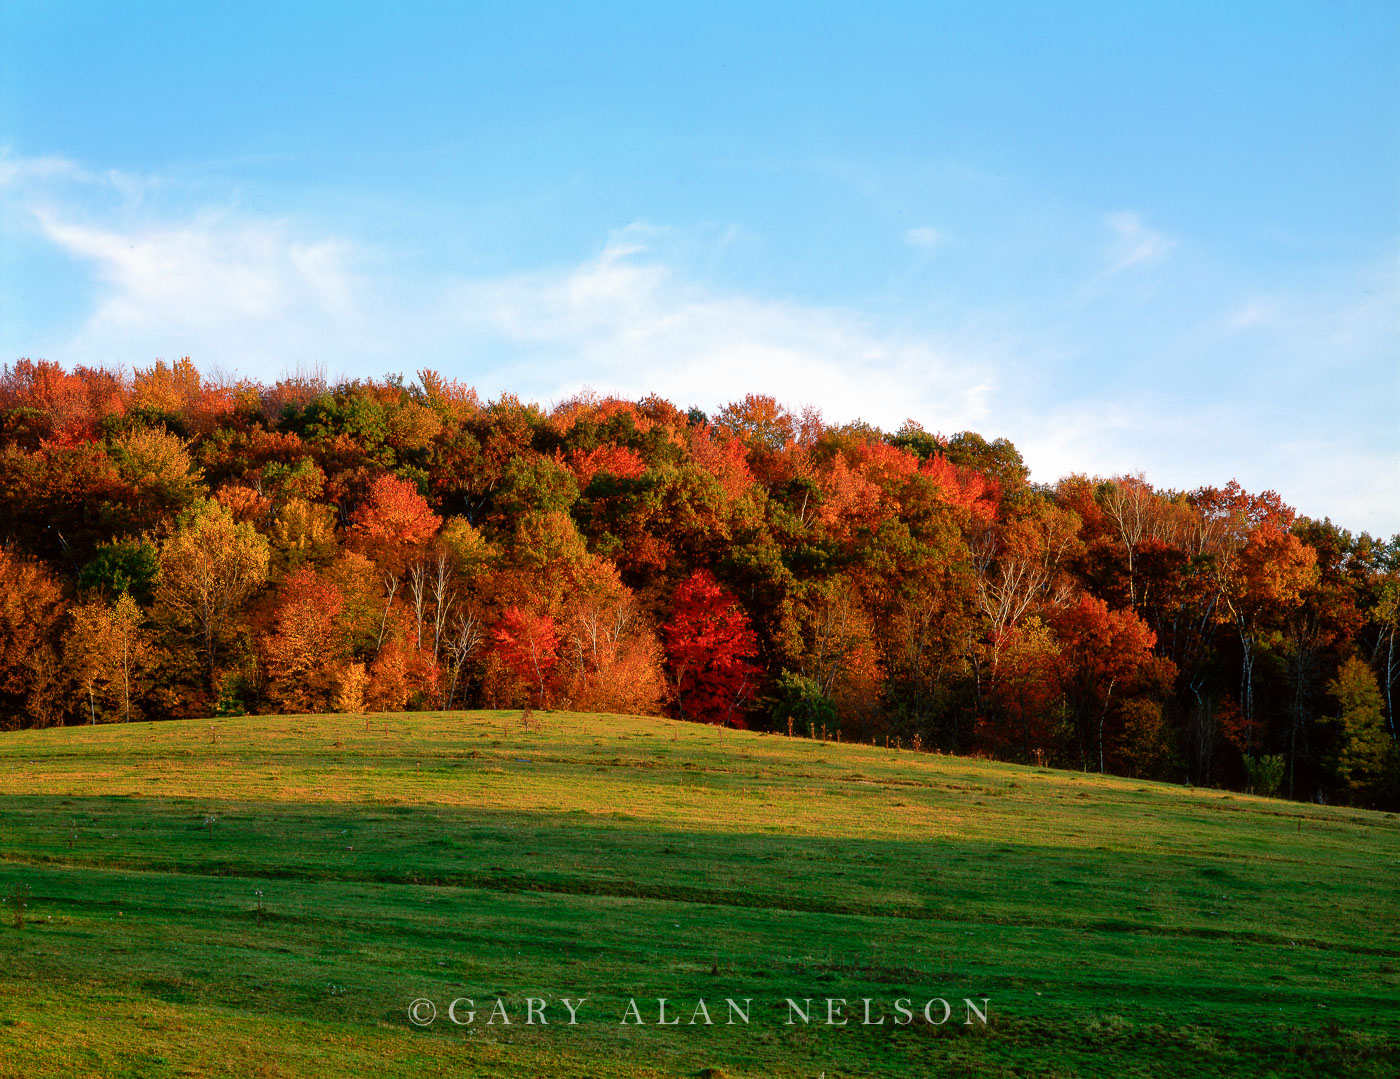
176	545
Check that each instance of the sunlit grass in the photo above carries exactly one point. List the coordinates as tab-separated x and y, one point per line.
1120	927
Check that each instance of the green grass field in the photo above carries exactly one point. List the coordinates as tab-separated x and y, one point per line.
1119	928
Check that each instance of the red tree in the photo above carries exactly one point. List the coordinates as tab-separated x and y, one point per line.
709	645
394	518
529	648
305	652
1101	652
1026	685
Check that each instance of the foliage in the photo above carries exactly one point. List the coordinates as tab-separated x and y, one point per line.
1265	774
305	650
30	610
207	569
350	685
1364	746
124	567
528	648
709	648
802	700
393	516
276	538
108	651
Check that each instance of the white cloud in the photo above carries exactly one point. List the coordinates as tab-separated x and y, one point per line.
15	171
923	237
260	296
1250	314
1136	244
1209	444
222	289
627	322
1351	315
34	177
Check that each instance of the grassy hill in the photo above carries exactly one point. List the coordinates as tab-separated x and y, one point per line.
1119	928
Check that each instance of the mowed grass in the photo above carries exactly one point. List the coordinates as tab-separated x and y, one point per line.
1119	928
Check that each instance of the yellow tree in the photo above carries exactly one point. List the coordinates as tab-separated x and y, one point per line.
156	466
208	568
106	650
30	607
609	655
303	532
839	654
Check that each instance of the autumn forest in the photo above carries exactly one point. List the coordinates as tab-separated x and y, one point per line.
177	545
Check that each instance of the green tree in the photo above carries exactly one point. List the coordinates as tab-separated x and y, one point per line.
802	700
121	568
1364	744
1265	774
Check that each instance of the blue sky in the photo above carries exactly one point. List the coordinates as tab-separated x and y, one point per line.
1126	236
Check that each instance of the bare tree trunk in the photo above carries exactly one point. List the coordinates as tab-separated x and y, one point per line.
1203	735
1103	715
539	669
391	585
1247	684
1303	668
442	603
418	589
1389	688
1390	672
1127	503
460	648
126	677
209	639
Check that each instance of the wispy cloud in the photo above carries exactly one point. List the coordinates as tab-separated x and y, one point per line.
259	295
35	179
239	289
1358	319
1186	447
1136	244
925	238
628	321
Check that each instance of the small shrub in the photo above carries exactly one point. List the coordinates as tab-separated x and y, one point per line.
801	700
350	688
1265	774
19	900
234	691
